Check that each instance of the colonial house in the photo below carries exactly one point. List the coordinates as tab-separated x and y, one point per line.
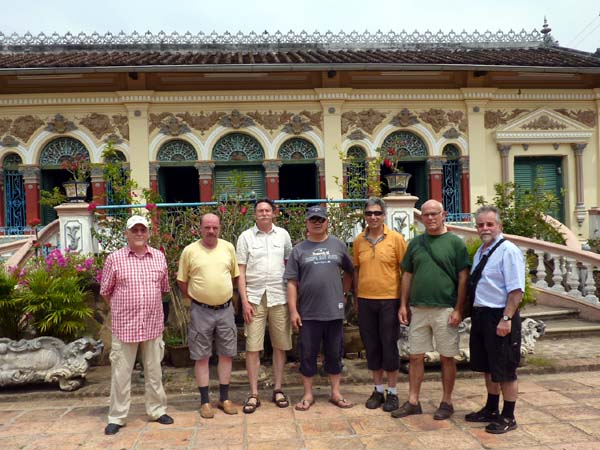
464	111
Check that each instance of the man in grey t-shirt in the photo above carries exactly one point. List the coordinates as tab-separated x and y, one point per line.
316	303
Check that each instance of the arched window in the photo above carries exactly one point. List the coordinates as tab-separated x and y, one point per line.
14	195
405	144
297	148
356	172
238	167
61	149
451	183
177	150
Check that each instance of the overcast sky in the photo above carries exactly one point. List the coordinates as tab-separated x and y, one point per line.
575	23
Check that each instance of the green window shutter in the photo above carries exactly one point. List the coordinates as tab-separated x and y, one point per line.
527	170
224	188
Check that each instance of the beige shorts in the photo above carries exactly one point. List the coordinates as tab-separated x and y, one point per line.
280	330
429	325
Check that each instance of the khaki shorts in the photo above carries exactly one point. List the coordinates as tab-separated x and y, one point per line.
280	330
208	325
431	324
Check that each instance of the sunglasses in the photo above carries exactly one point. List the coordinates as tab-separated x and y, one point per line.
373	213
317	220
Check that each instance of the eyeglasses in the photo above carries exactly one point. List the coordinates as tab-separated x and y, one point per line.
373	213
317	220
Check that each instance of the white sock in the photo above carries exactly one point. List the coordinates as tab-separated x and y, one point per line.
379	388
392	390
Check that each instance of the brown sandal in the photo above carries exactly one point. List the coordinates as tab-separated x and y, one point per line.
248	407
280	402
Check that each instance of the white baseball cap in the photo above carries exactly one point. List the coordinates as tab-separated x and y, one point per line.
134	220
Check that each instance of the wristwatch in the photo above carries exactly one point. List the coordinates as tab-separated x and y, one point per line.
506	318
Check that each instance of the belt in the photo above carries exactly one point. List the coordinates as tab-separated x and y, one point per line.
216	307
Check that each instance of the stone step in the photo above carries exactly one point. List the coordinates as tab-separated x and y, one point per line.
546	313
570	328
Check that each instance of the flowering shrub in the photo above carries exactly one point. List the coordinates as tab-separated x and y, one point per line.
78	166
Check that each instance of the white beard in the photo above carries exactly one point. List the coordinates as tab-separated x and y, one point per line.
487	238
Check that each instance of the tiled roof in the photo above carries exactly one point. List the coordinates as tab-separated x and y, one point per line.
291	52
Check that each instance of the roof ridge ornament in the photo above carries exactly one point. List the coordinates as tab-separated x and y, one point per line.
548	39
327	39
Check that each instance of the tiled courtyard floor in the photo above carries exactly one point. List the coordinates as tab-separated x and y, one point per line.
554	411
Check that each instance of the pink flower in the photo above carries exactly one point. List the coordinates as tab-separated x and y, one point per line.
222	208
244	210
92	206
150	206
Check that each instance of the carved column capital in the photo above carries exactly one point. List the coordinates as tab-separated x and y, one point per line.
504	149
31	173
464	164
205	170
320	167
578	149
153	170
272	167
435	164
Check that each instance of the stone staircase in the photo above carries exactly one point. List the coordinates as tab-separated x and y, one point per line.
561	322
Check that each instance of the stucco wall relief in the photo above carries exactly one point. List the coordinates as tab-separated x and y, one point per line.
236	120
366	120
544	123
60	124
586	117
492	119
101	125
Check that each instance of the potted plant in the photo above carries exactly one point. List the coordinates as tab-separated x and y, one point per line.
395	176
79	168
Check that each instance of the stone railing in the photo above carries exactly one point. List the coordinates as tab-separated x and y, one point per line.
17	252
559	268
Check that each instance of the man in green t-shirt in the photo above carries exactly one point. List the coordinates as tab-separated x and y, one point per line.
434	281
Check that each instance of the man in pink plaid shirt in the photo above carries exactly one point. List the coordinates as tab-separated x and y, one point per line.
133	281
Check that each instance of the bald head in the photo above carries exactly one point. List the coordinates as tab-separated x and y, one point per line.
432	204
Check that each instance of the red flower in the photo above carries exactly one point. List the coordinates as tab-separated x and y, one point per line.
35	222
391	152
36	244
222	208
162	249
92	206
150	206
244	210
47	245
387	163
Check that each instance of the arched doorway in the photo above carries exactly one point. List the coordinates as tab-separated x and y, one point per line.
52	156
239	170
177	175
14	195
413	152
298	175
356	173
451	183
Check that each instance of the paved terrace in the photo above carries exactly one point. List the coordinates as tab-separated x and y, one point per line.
558	408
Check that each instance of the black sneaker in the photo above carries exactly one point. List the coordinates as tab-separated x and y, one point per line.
165	419
444	411
483	415
407	409
501	425
375	400
391	402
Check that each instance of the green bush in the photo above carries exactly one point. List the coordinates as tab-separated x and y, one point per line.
523	212
10	308
56	305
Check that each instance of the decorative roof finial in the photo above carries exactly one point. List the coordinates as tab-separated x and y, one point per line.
545	29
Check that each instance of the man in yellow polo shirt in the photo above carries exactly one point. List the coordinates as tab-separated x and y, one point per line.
207	271
378	253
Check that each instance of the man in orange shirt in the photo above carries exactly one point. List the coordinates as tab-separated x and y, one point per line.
378	252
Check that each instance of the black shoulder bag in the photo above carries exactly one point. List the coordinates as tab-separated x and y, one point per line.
474	280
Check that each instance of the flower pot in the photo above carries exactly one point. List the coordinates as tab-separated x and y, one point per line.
76	191
398	182
179	355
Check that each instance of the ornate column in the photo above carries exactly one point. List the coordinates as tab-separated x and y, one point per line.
465	185
98	185
272	178
153	175
436	166
579	201
504	151
31	177
205	180
322	187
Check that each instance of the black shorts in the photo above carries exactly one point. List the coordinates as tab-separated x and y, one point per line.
490	353
379	330
312	334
